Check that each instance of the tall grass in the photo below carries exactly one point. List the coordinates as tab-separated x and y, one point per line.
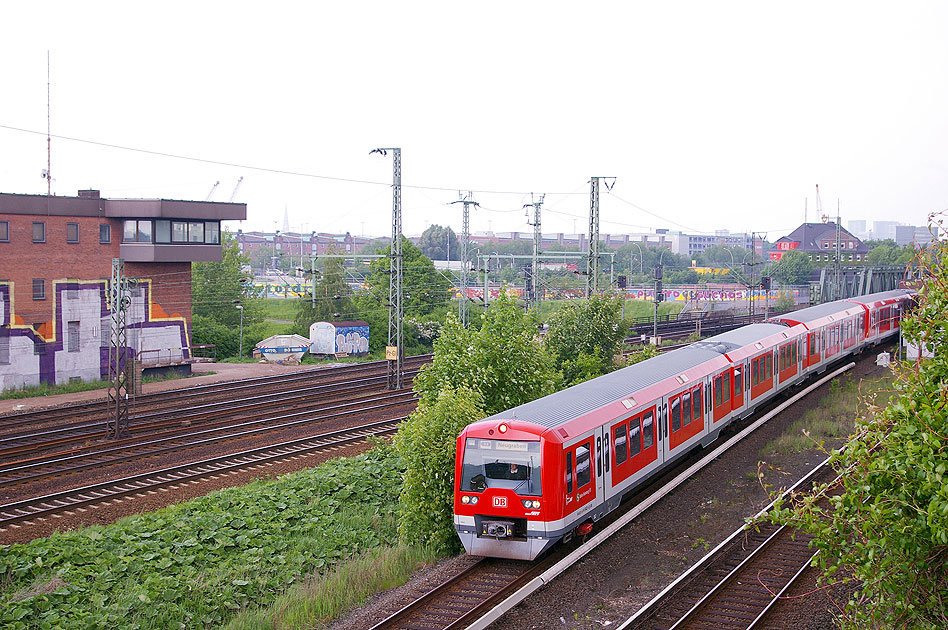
315	603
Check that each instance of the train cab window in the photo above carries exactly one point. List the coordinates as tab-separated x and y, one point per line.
717	391
635	438
696	406
583	467
620	444
676	413
509	464
648	430
686	408
738	382
569	473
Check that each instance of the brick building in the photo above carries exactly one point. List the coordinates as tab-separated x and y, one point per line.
818	241
55	266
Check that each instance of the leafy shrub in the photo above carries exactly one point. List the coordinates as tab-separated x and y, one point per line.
427	444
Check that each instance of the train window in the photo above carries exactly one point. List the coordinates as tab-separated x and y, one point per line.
648	430
635	438
569	473
717	391
738	382
509	464
727	389
793	354
755	372
676	413
583	466
686	408
769	359
696	407
620	444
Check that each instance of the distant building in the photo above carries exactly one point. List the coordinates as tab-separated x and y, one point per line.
917	236
882	230
297	245
818	241
55	267
857	227
677	242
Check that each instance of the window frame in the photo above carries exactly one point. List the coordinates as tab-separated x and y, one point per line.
72	336
620	443
105	229
41	225
4	231
39	283
72	238
587	456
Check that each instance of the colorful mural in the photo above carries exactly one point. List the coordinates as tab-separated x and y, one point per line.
75	342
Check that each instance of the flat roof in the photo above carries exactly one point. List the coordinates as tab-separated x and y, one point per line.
95	206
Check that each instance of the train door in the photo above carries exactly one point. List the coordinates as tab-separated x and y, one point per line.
581	472
737	390
813	348
721	399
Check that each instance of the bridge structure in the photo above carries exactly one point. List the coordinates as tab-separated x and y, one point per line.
862	280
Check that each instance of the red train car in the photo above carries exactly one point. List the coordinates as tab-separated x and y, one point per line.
535	474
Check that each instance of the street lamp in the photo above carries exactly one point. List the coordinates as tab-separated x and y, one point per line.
240	350
638	247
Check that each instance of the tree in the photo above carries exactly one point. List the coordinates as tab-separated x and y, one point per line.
332	300
584	337
503	361
886	254
440	243
427	444
887	525
793	268
425	289
217	286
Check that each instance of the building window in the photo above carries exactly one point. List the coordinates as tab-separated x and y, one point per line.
72	339
179	232
105	233
39	232
212	233
4	231
162	231
39	289
72	232
137	231
195	232
4	346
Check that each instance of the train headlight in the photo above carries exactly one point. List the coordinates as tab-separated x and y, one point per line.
502	428
465	499
530	503
473	500
536	504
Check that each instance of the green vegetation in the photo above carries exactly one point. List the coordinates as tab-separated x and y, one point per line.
503	360
887	527
199	563
584	338
427	444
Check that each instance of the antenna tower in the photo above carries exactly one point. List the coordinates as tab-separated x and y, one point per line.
535	295
395	351
468	201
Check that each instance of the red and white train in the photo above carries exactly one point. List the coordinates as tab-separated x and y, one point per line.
535	474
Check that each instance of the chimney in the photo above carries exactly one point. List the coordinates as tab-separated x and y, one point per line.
89	194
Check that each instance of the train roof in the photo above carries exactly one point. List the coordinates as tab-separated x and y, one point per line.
812	313
745	335
573	402
878	297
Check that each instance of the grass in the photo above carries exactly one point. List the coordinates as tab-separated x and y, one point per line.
316	602
832	421
279	310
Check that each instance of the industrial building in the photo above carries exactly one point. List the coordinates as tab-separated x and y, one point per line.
55	267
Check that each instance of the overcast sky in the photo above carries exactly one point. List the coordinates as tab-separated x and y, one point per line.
710	115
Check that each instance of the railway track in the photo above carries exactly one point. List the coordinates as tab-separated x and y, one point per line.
737	583
27	511
11	424
477	601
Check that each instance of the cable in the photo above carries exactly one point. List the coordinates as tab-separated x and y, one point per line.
266	169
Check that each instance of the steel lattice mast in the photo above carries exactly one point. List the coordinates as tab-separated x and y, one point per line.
592	262
395	352
117	421
533	299
468	201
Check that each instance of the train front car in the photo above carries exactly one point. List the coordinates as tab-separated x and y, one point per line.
499	505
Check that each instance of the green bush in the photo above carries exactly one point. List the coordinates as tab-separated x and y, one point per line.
427	445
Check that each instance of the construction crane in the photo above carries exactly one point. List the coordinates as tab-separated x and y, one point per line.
211	193
236	188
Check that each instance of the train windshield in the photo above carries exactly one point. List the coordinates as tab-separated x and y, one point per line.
509	464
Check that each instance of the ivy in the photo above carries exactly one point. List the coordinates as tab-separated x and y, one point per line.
888	526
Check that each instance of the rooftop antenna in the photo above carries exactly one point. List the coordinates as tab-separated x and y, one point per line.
48	173
805	201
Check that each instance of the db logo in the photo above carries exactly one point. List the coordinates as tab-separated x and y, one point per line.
500	502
